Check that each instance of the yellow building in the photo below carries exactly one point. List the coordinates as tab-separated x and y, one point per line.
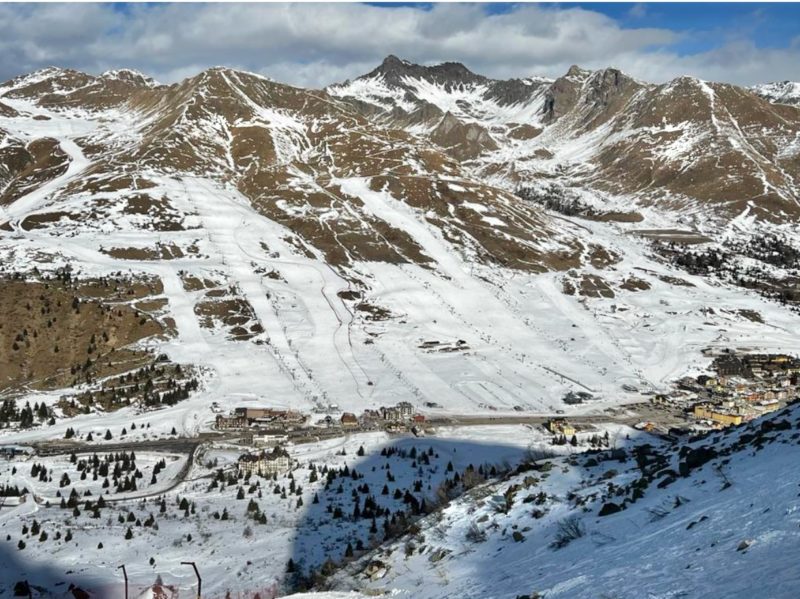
560	426
707	412
767	406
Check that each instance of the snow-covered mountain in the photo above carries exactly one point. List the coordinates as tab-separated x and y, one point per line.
281	226
780	92
481	249
710	150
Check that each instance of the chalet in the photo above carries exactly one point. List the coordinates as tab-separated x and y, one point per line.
349	420
264	463
418	419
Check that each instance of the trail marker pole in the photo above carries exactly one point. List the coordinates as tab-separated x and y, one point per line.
125	574
197	574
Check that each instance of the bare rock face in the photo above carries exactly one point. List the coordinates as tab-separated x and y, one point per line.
447	74
6	110
562	96
460	140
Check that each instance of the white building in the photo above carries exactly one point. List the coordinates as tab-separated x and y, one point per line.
264	463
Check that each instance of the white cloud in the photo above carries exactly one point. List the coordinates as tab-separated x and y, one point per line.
637	11
317	44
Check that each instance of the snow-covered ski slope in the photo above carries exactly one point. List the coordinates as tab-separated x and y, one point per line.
525	342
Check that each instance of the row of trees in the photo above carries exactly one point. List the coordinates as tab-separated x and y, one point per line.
26	416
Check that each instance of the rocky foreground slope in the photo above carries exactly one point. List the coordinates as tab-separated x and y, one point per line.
718	516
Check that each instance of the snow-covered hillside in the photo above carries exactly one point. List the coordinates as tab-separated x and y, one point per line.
242	532
782	92
717	517
309	332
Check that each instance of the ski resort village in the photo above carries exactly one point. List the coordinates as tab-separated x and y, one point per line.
421	333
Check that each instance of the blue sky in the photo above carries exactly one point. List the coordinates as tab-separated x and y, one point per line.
706	24
767	24
314	45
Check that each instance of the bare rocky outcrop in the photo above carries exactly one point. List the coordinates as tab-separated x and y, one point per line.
461	140
24	167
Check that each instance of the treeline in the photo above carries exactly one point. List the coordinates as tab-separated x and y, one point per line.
763	253
26	416
151	386
557	198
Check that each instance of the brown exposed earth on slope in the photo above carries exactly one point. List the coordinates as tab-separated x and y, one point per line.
461	140
24	168
7	111
59	331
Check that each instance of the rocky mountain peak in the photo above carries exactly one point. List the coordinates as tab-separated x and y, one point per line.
394	70
576	72
779	92
393	63
131	76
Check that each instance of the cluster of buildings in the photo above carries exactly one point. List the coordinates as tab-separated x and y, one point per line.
744	387
392	418
244	418
268	424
